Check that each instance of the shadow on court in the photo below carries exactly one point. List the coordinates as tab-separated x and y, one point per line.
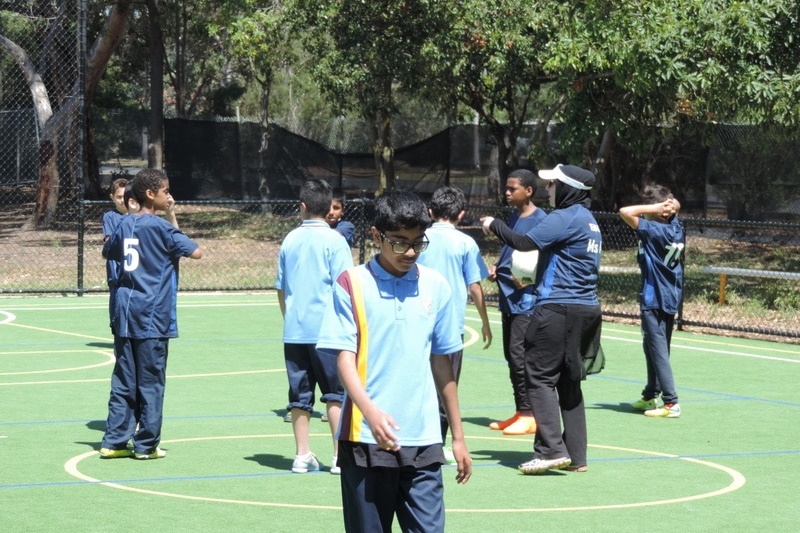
97	425
269	460
618	407
480	421
104	345
505	458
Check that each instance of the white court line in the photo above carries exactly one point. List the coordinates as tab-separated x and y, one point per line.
709	350
676	336
9	317
737	482
109	360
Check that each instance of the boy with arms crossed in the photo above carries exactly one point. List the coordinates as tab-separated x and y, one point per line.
661	249
310	259
456	256
390	320
148	249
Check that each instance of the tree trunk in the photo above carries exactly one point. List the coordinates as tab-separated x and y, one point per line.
507	158
605	180
52	126
263	186
155	147
382	149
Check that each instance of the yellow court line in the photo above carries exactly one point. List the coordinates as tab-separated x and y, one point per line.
737	482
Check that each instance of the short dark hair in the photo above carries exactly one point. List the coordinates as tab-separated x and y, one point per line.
338	194
316	195
395	210
655	194
128	194
525	177
447	202
148	179
117	184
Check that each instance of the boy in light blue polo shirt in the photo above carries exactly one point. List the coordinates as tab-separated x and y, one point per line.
310	259
391	323
456	256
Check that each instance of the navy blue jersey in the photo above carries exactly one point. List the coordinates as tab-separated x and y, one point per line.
513	300
661	249
348	231
148	248
572	244
111	220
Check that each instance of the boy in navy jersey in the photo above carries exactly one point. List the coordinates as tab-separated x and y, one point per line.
148	249
110	221
517	301
334	217
661	253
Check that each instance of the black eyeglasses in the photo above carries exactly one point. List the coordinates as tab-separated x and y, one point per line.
400	247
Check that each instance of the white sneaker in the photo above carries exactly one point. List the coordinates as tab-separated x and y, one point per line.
305	463
335	470
538	466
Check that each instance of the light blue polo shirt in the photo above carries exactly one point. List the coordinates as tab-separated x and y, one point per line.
456	256
311	258
402	321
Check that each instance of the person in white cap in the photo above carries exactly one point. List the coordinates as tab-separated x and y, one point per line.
567	320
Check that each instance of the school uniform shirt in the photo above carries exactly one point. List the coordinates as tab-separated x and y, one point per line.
311	258
572	241
513	300
148	248
456	256
111	220
392	324
347	230
661	249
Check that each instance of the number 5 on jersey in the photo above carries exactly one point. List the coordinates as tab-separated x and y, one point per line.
131	262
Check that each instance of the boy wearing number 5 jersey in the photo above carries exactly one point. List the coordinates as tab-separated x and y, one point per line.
661	252
148	249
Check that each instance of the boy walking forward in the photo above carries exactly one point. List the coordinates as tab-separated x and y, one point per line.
148	249
661	253
310	259
390	324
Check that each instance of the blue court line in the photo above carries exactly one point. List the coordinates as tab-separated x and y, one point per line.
173	418
172	479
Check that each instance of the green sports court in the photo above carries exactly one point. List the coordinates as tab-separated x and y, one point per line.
730	463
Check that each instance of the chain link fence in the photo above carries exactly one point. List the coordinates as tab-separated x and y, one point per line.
41	113
740	276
